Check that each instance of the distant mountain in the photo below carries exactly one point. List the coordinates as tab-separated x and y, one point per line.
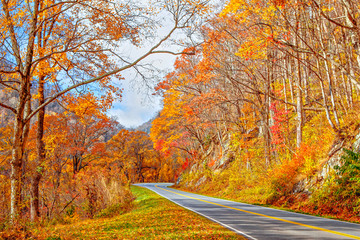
145	127
117	128
11	99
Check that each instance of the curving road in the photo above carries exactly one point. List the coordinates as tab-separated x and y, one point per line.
255	222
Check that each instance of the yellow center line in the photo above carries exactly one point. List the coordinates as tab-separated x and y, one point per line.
263	215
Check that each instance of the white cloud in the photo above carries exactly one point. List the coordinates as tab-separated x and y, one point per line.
138	105
135	109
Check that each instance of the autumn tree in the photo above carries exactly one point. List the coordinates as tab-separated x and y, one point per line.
132	152
271	90
74	140
68	45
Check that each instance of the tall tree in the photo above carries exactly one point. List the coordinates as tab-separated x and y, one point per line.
78	38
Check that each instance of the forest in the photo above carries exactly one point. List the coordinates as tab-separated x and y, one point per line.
267	110
262	105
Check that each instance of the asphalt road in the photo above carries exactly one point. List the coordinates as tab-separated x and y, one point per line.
255	222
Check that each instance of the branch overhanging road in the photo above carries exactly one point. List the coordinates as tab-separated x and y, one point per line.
255	222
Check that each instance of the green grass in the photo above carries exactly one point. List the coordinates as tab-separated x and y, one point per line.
153	217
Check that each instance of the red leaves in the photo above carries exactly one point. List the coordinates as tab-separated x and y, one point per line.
161	87
185	165
212	162
159	145
279	127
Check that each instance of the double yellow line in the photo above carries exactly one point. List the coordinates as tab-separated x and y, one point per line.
263	215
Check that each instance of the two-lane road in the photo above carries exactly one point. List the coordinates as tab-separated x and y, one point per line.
255	222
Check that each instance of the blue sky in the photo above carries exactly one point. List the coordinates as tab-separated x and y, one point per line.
135	109
138	105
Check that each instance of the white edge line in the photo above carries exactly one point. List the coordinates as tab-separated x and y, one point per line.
214	220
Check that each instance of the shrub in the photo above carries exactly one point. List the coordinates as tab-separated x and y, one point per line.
106	197
348	175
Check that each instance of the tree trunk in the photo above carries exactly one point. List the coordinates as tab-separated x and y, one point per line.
16	161
15	177
40	145
21	132
299	108
299	95
267	134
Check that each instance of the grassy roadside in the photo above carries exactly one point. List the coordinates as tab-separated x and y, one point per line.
153	217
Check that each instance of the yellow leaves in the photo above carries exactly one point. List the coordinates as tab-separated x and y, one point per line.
327	9
5	138
134	151
199	5
44	69
172	116
18	12
21	13
245	9
257	19
88	105
253	50
232	7
52	141
49	67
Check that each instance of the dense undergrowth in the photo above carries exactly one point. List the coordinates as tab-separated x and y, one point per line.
308	180
102	199
150	216
335	196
